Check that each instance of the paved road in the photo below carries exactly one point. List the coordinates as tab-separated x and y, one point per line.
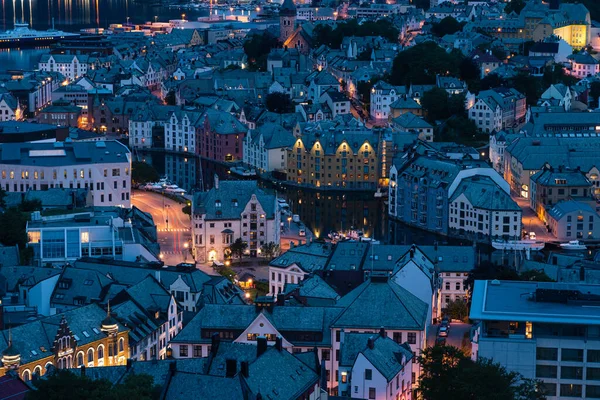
455	337
531	222
172	224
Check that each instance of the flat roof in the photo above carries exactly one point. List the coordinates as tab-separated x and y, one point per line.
514	301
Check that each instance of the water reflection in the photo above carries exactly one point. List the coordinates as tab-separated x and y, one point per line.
77	14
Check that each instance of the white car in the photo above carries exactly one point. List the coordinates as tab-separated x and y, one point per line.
302	232
532	236
443	332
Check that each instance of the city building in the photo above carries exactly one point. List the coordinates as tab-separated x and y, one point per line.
525	156
482	208
335	159
103	167
181	131
553	185
545	331
382	96
570	220
115	233
10	108
266	148
583	65
229	211
84	337
423	182
411	122
373	366
148	124
71	66
497	109
221	136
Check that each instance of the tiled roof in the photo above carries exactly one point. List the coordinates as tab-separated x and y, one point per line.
483	193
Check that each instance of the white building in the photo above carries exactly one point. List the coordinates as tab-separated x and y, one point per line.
103	167
144	121
373	366
71	66
482	208
180	131
583	65
101	233
230	211
487	114
382	95
545	331
10	109
265	148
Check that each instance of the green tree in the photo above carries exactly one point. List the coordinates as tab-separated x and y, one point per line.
435	104
421	63
530	86
595	92
2	198
187	209
279	103
63	384
365	55
446	369
446	26
491	81
31	205
534	275
457	309
514	5
270	250
238	247
257	48
142	172
325	35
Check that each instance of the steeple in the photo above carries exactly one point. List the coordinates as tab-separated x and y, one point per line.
287	20
288	8
109	324
11	358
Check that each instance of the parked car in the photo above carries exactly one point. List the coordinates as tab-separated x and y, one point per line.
532	236
443	332
302	232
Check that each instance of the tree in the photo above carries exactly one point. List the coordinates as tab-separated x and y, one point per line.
142	172
238	247
63	384
435	104
492	81
530	86
30	205
279	103
170	98
257	48
421	63
325	35
365	55
457	309
595	92
446	369
269	250
514	5
447	26
461	129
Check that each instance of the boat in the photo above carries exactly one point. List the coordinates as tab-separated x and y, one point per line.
573	245
23	36
517	245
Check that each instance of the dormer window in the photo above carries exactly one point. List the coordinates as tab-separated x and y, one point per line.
218	203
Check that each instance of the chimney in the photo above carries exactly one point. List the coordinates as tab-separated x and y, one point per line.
230	368
173	367
279	343
412	253
371	343
382	332
214	344
261	346
280	299
244	369
157	275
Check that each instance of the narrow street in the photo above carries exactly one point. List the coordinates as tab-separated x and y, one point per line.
531	222
172	224
455	336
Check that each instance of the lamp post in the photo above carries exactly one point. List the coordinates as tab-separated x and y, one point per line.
289	223
185	252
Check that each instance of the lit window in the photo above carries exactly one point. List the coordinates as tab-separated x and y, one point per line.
85	237
34	236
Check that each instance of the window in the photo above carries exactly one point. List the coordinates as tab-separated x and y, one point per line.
571	355
411	338
593	356
591	392
571	373
549	389
547	353
121	344
197	351
79	359
372	393
570	390
398	337
183	351
326	355
593	374
545	371
90	356
100	352
368	374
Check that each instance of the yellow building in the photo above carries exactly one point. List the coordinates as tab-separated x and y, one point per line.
335	159
86	336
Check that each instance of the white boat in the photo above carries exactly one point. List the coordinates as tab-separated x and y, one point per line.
517	245
573	245
23	36
241	171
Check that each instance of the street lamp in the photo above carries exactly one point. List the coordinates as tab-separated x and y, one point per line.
183	16
127	20
185	252
289	223
155	18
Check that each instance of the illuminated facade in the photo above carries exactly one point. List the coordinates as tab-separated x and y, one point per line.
87	336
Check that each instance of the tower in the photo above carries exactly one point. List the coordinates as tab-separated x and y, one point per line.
287	20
